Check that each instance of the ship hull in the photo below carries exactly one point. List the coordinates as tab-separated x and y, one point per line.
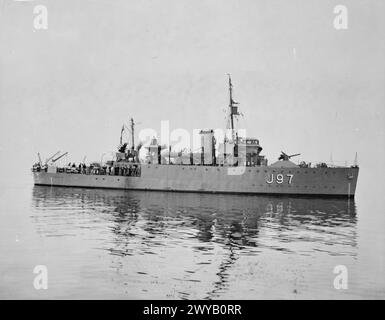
215	179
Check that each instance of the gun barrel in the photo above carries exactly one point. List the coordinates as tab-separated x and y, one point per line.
294	155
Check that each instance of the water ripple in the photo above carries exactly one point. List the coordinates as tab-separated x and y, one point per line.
194	244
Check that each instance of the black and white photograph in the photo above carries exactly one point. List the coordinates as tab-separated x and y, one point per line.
203	150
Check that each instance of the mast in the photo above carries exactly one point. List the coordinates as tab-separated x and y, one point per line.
233	110
132	135
121	135
231	104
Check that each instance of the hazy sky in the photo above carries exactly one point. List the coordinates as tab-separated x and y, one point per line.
303	85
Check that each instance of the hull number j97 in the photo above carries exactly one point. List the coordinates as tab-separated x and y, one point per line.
279	178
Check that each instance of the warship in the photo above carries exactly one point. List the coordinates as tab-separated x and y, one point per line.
234	165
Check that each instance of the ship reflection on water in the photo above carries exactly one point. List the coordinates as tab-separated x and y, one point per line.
185	240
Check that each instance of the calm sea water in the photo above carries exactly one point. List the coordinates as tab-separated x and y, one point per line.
154	245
